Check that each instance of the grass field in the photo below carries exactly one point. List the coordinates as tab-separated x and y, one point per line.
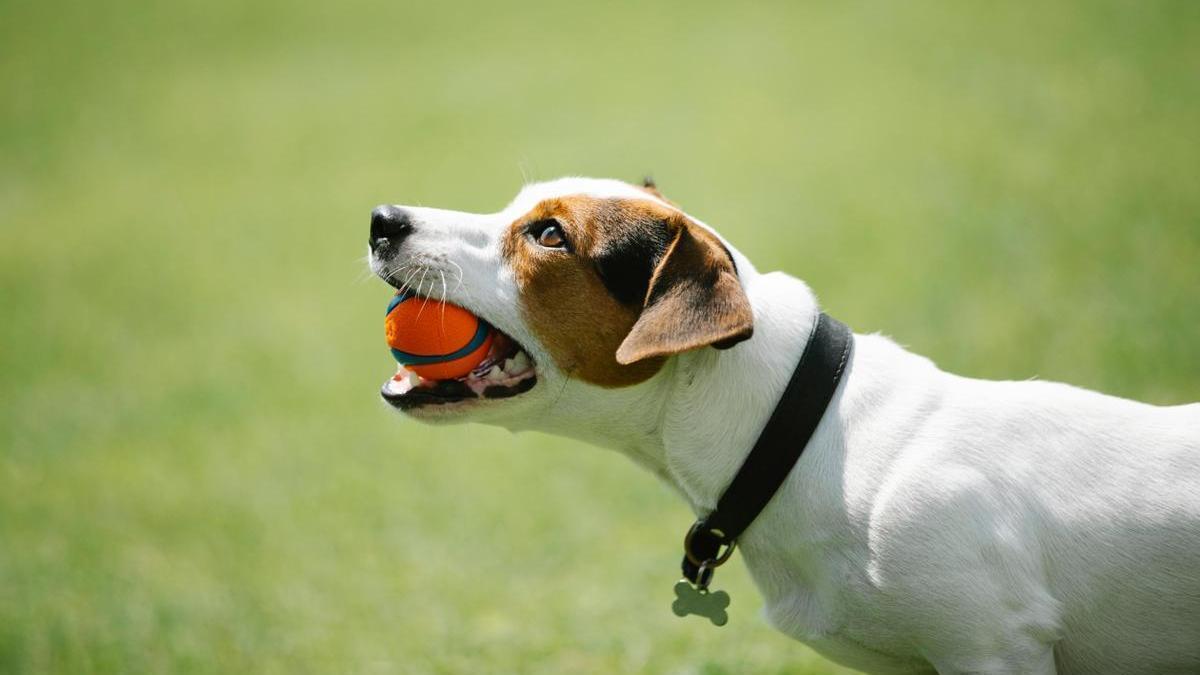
196	475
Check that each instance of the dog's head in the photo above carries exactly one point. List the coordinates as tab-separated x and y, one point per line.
594	285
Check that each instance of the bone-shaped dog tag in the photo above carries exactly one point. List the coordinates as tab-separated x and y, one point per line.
701	602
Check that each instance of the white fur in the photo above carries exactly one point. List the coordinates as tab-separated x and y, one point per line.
934	522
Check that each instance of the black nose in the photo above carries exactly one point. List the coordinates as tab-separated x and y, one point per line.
389	226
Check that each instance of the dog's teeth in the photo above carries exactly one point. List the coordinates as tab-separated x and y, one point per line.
520	361
495	374
398	386
509	366
413	379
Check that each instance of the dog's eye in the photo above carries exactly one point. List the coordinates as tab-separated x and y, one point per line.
549	233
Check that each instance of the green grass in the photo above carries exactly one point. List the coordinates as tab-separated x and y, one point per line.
195	473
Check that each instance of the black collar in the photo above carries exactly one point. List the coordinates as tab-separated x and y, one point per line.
780	444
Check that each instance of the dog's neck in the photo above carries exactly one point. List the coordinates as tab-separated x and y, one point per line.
694	422
719	401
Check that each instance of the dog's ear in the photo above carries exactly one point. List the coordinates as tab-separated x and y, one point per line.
694	300
649	185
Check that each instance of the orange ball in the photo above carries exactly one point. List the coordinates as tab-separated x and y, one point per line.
436	340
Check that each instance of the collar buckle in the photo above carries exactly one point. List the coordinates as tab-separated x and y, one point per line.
702	548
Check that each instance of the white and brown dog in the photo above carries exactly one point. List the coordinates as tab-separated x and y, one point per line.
934	522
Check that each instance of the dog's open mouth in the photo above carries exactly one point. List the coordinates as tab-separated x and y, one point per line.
506	371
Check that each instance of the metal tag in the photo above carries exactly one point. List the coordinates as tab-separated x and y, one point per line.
701	602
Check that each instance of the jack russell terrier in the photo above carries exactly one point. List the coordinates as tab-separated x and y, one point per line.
933	523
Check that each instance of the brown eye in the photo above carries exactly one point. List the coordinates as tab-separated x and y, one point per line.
550	235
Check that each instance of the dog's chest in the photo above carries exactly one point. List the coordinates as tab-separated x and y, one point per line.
815	590
810	555
823	599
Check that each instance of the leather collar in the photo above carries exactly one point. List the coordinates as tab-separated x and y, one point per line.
779	446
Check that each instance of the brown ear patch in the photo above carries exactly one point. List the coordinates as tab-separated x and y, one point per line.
695	300
630	244
639	282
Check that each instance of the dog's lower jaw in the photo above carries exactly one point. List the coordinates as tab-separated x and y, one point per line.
627	420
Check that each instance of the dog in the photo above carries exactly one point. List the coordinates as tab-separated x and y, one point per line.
934	523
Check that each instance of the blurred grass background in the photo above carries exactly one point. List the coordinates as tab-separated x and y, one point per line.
195	472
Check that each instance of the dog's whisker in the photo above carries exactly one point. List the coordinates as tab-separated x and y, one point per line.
395	275
409	271
424	296
364	269
459	283
443	320
410	278
566	380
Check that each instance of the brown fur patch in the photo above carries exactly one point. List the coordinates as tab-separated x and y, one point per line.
587	302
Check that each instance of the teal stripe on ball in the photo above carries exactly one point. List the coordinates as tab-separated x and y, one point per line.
407	359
